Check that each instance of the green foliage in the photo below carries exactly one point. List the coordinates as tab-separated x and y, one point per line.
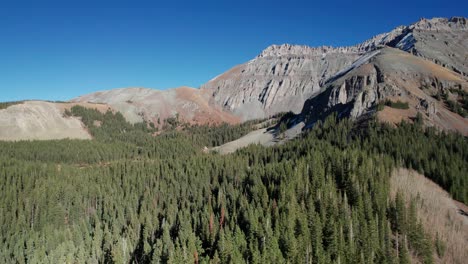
440	246
4	105
283	127
286	118
211	135
410	232
110	127
457	107
440	156
171	123
398	104
380	106
460	105
130	197
419	120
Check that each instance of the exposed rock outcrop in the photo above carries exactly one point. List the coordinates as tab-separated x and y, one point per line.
282	77
390	74
311	81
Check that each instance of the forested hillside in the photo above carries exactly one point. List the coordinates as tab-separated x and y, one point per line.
129	197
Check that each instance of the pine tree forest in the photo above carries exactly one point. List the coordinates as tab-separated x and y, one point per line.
130	197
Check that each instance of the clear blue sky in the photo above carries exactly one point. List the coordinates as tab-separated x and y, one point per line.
59	50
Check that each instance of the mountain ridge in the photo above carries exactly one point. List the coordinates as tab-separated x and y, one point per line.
433	24
282	77
285	77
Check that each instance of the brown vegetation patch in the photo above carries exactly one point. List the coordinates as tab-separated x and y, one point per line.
201	110
394	116
450	121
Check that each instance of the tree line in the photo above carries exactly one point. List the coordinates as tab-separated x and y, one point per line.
129	197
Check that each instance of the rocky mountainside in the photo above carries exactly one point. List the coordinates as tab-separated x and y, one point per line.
42	120
408	84
424	65
441	40
189	105
282	77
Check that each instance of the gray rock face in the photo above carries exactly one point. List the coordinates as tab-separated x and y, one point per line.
440	24
353	93
282	77
392	74
441	40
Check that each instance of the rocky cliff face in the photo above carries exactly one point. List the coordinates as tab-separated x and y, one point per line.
390	74
410	63
282	77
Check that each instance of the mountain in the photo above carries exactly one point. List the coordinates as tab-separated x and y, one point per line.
422	66
41	120
190	105
346	191
391	75
46	120
441	40
282	77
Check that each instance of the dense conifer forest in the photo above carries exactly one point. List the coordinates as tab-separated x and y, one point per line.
129	197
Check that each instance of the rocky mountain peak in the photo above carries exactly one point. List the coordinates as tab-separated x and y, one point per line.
301	50
440	24
285	50
433	24
282	77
